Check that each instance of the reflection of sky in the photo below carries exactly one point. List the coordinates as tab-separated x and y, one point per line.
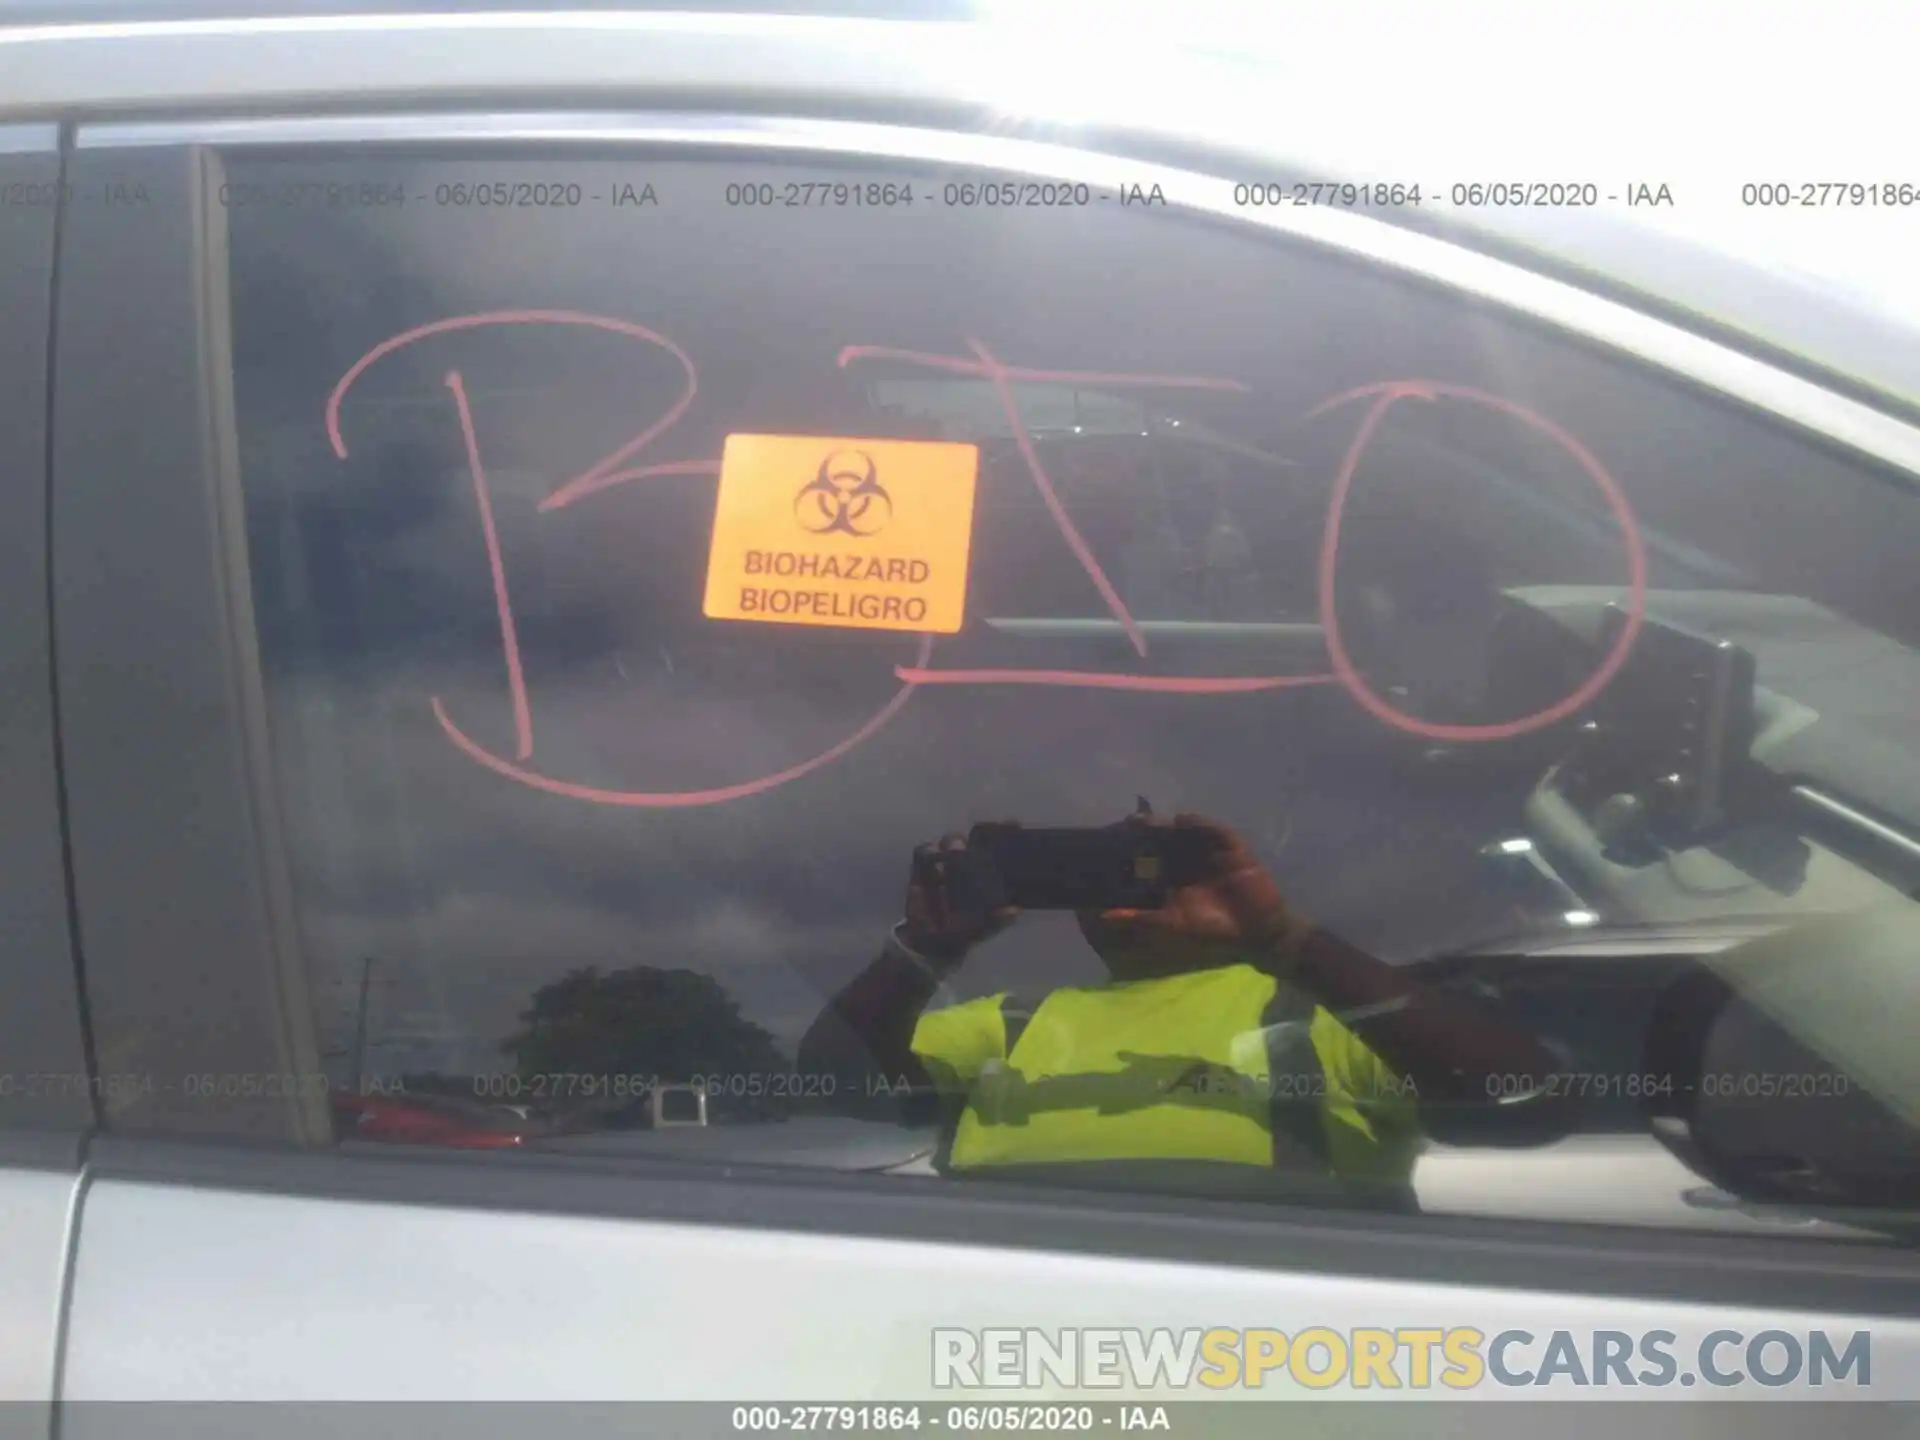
470	891
1703	97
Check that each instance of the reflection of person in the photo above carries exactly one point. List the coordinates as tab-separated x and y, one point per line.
1234	1036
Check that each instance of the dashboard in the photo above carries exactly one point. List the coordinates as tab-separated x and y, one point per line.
1729	761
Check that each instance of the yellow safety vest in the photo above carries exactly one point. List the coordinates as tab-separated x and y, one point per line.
1215	1065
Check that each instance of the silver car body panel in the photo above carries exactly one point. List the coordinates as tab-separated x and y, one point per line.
41	1208
269	1297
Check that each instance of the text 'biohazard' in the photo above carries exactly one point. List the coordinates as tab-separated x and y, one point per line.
820	530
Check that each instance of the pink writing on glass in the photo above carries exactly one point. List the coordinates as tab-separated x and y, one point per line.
610	470
613	469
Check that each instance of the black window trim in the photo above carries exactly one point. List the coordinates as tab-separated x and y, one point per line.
42	1025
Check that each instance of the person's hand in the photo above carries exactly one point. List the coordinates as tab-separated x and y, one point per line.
951	906
1234	906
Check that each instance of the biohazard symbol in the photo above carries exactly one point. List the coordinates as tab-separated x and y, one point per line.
845	498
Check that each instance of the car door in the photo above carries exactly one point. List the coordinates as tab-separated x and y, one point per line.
413	770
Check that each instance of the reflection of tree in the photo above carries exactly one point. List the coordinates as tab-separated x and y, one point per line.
671	1024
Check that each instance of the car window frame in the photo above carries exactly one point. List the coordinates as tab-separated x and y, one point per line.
47	1074
195	946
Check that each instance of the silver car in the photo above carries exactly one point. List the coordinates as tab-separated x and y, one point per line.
543	550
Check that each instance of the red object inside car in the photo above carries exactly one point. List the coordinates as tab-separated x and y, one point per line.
424	1120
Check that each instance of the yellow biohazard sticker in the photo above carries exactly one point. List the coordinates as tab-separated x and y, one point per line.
823	530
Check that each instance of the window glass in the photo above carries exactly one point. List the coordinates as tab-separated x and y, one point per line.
651	555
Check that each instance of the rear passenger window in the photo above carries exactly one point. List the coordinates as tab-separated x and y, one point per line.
652	558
